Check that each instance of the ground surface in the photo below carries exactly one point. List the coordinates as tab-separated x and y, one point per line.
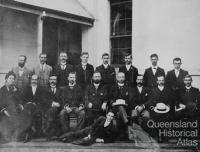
40	145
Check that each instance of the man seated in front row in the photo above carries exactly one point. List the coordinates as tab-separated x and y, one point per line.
103	130
10	107
73	103
120	95
160	104
53	96
96	98
188	105
140	96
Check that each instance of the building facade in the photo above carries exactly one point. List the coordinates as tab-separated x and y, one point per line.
168	28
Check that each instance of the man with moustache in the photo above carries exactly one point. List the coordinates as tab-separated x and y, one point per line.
53	96
174	78
107	72
161	94
62	70
96	98
189	104
34	94
136	106
84	71
161	106
101	131
10	107
43	70
129	70
150	74
73	103
22	73
120	95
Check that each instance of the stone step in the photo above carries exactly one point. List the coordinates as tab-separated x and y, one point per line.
40	145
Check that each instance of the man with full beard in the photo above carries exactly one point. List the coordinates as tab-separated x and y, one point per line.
97	97
23	74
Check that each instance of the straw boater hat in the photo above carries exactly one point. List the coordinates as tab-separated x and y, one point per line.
161	108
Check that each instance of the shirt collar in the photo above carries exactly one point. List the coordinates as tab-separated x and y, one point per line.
120	84
161	88
105	66
188	87
83	64
63	63
154	67
96	85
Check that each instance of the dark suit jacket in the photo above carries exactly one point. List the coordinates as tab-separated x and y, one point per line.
84	76
108	75
9	100
173	82
99	131
190	99
130	75
166	96
38	98
139	98
150	80
96	97
126	93
73	97
50	97
62	75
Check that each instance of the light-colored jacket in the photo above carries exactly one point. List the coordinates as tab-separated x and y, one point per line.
43	74
22	81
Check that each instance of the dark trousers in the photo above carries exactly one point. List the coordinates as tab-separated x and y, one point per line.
65	119
52	124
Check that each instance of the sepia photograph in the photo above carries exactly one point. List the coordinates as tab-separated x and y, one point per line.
99	75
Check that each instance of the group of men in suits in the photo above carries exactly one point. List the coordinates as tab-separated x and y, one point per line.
57	93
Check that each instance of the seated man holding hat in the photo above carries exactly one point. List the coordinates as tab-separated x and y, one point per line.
161	101
120	95
188	105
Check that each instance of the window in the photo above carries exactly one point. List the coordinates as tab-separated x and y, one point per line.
121	30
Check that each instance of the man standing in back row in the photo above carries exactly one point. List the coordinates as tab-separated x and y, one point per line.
150	74
84	71
174	78
62	70
130	71
43	70
107	72
23	74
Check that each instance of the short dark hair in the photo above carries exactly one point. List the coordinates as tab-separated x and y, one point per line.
53	75
43	53
105	54
153	55
72	72
127	54
62	52
97	72
176	59
25	58
160	75
84	53
9	74
188	76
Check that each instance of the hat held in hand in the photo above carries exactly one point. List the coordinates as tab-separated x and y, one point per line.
161	108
